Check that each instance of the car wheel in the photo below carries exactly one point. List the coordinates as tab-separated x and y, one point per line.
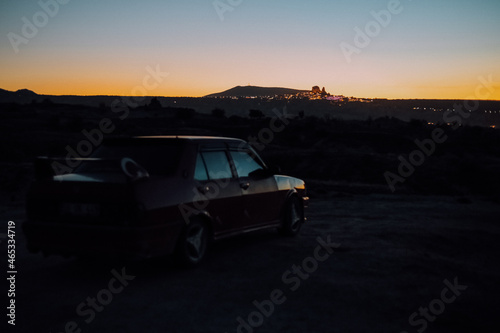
293	217
193	244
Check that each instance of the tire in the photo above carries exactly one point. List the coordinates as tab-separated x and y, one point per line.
193	244
293	217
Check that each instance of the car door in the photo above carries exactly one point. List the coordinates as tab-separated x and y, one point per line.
260	193
219	191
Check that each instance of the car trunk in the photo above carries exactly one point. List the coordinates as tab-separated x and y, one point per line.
106	199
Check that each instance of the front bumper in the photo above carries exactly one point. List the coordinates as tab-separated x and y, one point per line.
305	201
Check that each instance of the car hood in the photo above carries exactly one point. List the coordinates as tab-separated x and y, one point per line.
287	183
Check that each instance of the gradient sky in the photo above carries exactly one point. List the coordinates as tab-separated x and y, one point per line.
432	49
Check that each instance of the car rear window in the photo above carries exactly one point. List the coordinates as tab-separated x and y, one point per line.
200	172
156	158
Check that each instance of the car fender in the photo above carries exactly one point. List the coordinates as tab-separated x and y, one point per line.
189	213
292	186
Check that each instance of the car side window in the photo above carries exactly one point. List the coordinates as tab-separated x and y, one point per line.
245	163
200	172
217	165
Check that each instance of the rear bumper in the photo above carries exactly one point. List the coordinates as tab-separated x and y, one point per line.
101	241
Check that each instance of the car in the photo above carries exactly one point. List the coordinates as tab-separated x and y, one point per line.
142	197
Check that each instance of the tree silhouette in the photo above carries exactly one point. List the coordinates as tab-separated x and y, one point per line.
154	104
256	113
218	113
47	102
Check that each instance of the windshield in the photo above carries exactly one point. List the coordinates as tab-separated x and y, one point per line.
156	158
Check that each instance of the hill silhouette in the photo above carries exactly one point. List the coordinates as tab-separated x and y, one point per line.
20	96
254	91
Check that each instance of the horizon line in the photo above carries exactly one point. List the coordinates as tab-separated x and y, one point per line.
206	96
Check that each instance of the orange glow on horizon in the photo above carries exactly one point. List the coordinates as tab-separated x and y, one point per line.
123	88
70	55
125	77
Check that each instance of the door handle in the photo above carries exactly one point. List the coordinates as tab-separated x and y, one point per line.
245	186
204	189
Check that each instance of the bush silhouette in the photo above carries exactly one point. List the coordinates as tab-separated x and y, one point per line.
218	113
255	113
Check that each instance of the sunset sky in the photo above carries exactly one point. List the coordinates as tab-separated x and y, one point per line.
428	49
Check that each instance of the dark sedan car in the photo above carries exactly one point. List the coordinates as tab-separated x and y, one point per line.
152	196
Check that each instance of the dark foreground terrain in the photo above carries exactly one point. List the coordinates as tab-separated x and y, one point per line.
394	254
422	259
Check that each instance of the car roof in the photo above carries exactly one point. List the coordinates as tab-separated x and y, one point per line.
199	140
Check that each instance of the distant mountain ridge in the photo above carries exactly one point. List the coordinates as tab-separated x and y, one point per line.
255	91
20	96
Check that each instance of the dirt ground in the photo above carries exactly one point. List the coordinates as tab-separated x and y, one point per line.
405	263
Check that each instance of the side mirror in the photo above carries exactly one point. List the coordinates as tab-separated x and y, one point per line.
264	173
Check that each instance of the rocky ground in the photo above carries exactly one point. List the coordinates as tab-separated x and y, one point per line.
396	263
